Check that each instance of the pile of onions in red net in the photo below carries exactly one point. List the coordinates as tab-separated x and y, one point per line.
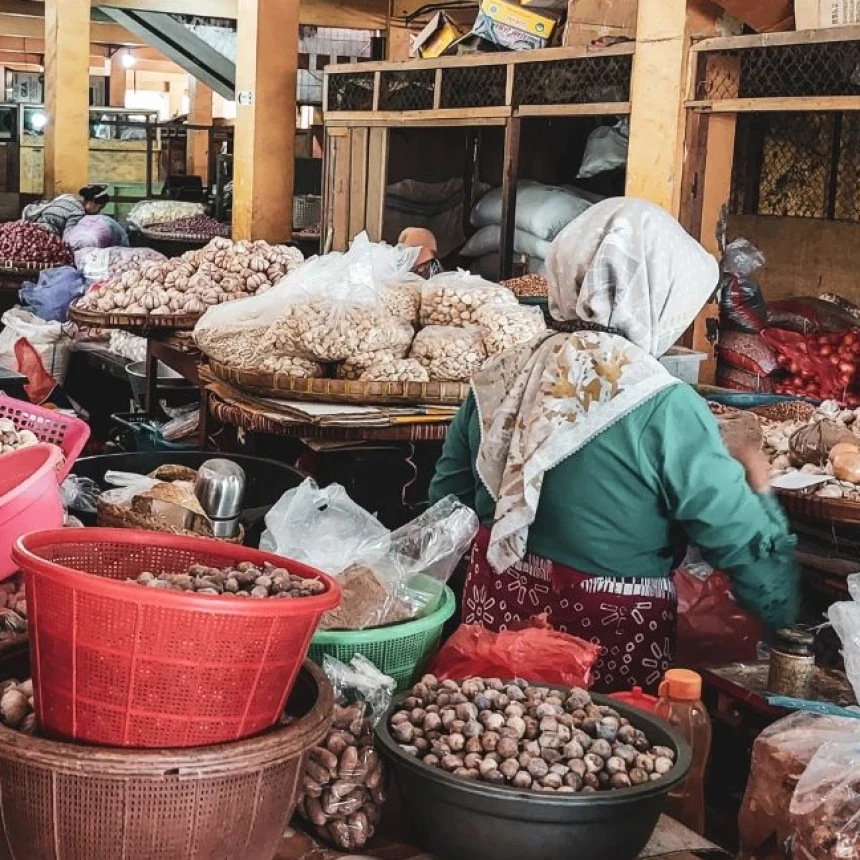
822	366
22	242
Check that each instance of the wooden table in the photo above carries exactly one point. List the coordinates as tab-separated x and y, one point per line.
178	351
671	841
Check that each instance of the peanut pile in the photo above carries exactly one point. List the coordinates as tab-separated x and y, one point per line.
343	788
525	736
244	580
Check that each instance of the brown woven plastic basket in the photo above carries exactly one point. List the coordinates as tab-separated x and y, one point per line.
62	801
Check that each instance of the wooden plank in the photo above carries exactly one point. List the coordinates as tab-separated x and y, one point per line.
510	176
199	113
377	179
850	33
33	27
407	117
264	151
437	90
545	55
358	181
67	76
806	103
118	83
371	121
340	168
594	109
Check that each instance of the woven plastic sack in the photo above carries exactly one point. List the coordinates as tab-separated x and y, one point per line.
542	210
780	757
606	150
488	239
809	315
825	808
536	652
49	340
735	379
747	351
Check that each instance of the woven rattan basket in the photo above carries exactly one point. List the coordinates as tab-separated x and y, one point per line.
61	801
286	387
137	323
118	517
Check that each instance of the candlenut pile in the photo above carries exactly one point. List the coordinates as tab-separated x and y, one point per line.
11	438
220	272
529	737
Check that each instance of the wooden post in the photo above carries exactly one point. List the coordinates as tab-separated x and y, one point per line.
199	113
118	83
510	176
67	87
264	147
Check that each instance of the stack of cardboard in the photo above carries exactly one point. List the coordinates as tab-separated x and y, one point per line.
591	20
817	14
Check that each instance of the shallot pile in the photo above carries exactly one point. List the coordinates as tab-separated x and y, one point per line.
25	243
820	366
526	736
199	225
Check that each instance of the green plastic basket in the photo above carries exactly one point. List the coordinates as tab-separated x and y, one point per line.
401	651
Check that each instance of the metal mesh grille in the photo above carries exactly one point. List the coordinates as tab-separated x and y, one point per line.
584	81
351	91
786	71
407	90
473	87
804	165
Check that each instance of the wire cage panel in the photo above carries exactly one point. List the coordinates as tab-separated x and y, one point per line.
407	91
350	91
473	87
585	80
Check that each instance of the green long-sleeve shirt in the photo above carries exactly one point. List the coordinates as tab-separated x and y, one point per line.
627	503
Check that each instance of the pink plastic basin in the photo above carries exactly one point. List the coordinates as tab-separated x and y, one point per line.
29	497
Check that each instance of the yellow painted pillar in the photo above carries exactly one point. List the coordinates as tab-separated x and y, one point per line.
199	113
67	88
265	136
118	79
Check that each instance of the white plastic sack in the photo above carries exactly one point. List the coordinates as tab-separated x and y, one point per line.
324	528
149	212
51	341
542	210
488	240
606	150
845	618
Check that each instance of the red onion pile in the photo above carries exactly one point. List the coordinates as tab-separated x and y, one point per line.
822	367
22	242
199	225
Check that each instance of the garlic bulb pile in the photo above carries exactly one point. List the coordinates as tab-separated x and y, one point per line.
199	279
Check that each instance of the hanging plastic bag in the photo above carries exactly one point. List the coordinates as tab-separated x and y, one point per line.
344	785
781	754
606	150
56	289
825	809
845	618
710	621
536	652
742	305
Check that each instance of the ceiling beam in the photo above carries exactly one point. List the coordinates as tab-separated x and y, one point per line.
34	47
33	27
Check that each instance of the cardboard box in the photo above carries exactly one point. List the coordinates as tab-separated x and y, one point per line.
763	16
590	20
440	33
819	14
514	27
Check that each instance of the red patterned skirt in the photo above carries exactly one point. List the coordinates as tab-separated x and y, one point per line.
633	620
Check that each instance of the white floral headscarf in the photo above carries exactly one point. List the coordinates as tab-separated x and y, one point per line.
624	264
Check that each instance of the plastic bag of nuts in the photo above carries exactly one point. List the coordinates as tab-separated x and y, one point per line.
358	363
453	298
449	352
396	370
506	326
343	789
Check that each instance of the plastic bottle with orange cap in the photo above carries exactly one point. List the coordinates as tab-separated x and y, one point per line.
680	705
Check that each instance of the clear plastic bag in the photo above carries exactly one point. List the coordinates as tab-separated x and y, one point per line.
507	326
160	211
453	298
825	809
742	305
343	789
80	494
450	352
606	150
98	264
845	618
780	758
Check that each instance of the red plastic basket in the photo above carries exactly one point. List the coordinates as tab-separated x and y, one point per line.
118	664
68	433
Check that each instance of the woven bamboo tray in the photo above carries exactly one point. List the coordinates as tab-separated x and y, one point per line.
190	238
286	387
11	267
816	508
137	323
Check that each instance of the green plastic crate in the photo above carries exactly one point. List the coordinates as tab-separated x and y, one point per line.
401	651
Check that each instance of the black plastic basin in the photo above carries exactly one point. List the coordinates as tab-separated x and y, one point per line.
267	480
459	819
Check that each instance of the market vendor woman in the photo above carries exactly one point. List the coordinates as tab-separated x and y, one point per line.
67	210
591	468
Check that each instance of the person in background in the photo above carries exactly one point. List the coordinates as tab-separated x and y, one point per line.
427	263
67	210
591	468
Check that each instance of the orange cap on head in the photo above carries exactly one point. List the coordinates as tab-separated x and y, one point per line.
682	685
419	237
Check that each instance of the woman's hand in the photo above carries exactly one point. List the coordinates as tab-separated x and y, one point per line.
757	467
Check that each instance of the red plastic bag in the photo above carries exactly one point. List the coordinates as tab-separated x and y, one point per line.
537	653
712	627
40	383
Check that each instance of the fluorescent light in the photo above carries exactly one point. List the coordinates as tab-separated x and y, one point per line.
38	121
128	60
